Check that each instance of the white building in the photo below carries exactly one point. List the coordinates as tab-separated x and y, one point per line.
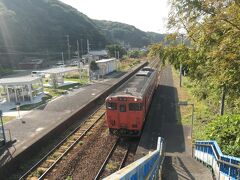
94	56
107	66
21	89
57	74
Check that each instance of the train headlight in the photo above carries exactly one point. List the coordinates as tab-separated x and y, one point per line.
135	99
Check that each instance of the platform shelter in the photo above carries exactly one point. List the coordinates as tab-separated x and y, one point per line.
57	74
21	89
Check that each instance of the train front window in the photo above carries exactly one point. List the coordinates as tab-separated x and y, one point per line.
122	108
135	106
111	105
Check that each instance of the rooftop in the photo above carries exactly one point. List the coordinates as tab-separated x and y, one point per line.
105	60
98	53
135	86
19	80
59	70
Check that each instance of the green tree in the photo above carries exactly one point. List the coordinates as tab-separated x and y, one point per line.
114	49
136	54
213	30
94	66
225	130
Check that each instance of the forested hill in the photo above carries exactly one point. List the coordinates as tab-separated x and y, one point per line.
35	25
30	28
127	34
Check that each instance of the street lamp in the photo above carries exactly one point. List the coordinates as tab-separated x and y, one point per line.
2	129
185	103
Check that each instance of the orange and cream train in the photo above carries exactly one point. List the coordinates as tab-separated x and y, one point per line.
127	107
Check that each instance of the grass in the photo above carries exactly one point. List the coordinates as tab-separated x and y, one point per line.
202	114
28	107
127	64
8	119
112	166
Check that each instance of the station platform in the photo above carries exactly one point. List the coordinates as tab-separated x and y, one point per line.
35	124
164	121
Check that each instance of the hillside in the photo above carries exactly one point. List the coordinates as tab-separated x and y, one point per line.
39	28
127	34
42	25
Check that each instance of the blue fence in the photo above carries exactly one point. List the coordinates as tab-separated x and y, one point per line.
223	166
148	167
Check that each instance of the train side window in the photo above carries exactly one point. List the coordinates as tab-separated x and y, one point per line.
111	106
122	108
135	106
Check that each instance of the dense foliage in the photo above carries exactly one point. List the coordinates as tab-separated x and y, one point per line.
94	66
136	53
115	50
37	25
225	130
39	28
209	52
128	35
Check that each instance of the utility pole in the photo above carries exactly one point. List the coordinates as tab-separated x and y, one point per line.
78	56
118	54
180	83
62	58
47	55
78	50
88	48
222	100
68	45
181	65
81	47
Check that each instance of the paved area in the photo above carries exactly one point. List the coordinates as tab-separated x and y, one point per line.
164	120
39	122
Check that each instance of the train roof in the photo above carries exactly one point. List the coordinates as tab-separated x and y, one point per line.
136	85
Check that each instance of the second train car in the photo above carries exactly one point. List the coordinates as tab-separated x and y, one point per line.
126	108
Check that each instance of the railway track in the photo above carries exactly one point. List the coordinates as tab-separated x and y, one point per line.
115	159
48	162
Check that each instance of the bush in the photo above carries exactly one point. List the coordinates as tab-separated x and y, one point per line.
225	130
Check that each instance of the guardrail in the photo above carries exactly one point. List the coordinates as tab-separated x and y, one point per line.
148	167
223	166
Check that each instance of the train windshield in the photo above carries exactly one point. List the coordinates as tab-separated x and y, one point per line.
135	106
111	105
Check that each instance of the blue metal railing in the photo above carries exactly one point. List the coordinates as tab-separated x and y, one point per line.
223	166
148	167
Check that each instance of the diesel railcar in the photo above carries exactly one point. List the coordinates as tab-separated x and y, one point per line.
126	108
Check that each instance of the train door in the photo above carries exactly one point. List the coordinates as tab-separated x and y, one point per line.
123	116
136	115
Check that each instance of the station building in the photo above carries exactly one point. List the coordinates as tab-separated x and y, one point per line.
107	66
56	75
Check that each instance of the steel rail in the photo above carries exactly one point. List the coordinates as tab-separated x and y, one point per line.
37	165
106	159
110	154
124	158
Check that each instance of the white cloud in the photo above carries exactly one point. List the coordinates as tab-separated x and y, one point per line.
147	15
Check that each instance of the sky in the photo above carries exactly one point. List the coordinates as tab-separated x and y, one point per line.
146	15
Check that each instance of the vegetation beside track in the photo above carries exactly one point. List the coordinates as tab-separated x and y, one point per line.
208	125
